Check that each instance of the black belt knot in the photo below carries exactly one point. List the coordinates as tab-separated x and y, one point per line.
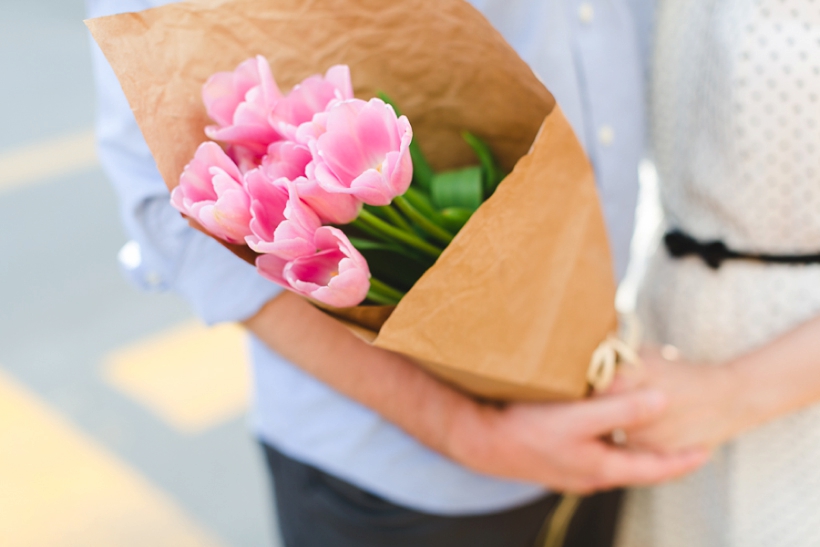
714	253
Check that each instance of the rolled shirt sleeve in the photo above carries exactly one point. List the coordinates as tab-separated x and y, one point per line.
164	252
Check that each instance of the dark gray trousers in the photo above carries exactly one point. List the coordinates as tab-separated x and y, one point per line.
319	510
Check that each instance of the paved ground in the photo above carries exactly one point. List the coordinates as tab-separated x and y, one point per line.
111	432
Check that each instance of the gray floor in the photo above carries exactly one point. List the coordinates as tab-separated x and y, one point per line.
63	303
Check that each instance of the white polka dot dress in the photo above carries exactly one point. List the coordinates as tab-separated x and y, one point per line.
736	140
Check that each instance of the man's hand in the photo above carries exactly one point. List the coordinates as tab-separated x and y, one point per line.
558	445
562	446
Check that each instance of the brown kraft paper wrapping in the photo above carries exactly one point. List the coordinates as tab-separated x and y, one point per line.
515	306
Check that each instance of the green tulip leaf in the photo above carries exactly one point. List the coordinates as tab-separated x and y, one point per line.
493	174
455	218
422	172
460	188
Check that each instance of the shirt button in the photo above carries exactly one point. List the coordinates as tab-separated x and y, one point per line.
586	13
130	256
606	135
153	279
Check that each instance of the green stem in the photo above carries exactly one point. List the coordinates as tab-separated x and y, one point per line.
388	243
421	202
391	231
385	289
423	222
396	218
361	225
378	298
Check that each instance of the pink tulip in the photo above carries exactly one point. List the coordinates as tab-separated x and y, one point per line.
365	152
240	102
210	191
282	223
287	161
336	275
310	97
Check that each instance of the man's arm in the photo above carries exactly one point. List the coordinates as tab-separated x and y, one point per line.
558	445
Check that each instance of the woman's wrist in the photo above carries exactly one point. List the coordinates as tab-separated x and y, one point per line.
757	398
729	390
780	377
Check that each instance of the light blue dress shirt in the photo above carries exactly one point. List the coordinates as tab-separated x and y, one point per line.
589	54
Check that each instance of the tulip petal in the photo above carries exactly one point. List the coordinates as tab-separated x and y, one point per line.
286	159
339	76
313	95
271	267
292	236
268	202
332	208
336	275
377	131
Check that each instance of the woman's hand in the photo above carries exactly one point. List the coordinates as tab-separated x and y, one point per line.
710	404
704	403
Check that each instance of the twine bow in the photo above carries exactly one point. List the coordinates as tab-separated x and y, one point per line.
612	351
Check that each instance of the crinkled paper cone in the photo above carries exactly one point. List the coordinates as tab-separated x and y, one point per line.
517	303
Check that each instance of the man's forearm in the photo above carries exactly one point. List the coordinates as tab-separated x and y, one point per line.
386	382
553	444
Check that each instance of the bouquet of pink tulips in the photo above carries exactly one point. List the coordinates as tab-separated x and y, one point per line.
504	288
319	184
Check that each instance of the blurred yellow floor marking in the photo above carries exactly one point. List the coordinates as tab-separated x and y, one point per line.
193	377
47	159
58	488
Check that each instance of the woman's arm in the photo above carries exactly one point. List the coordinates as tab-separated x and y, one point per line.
710	404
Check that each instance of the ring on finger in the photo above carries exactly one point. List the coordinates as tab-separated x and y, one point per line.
618	437
670	352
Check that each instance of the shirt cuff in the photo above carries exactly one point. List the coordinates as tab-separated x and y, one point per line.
219	286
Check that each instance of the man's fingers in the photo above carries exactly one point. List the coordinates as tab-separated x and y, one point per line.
601	415
626	468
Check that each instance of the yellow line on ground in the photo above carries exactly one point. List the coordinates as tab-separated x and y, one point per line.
192	377
59	488
47	159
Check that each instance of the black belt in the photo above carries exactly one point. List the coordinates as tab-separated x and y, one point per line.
713	253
